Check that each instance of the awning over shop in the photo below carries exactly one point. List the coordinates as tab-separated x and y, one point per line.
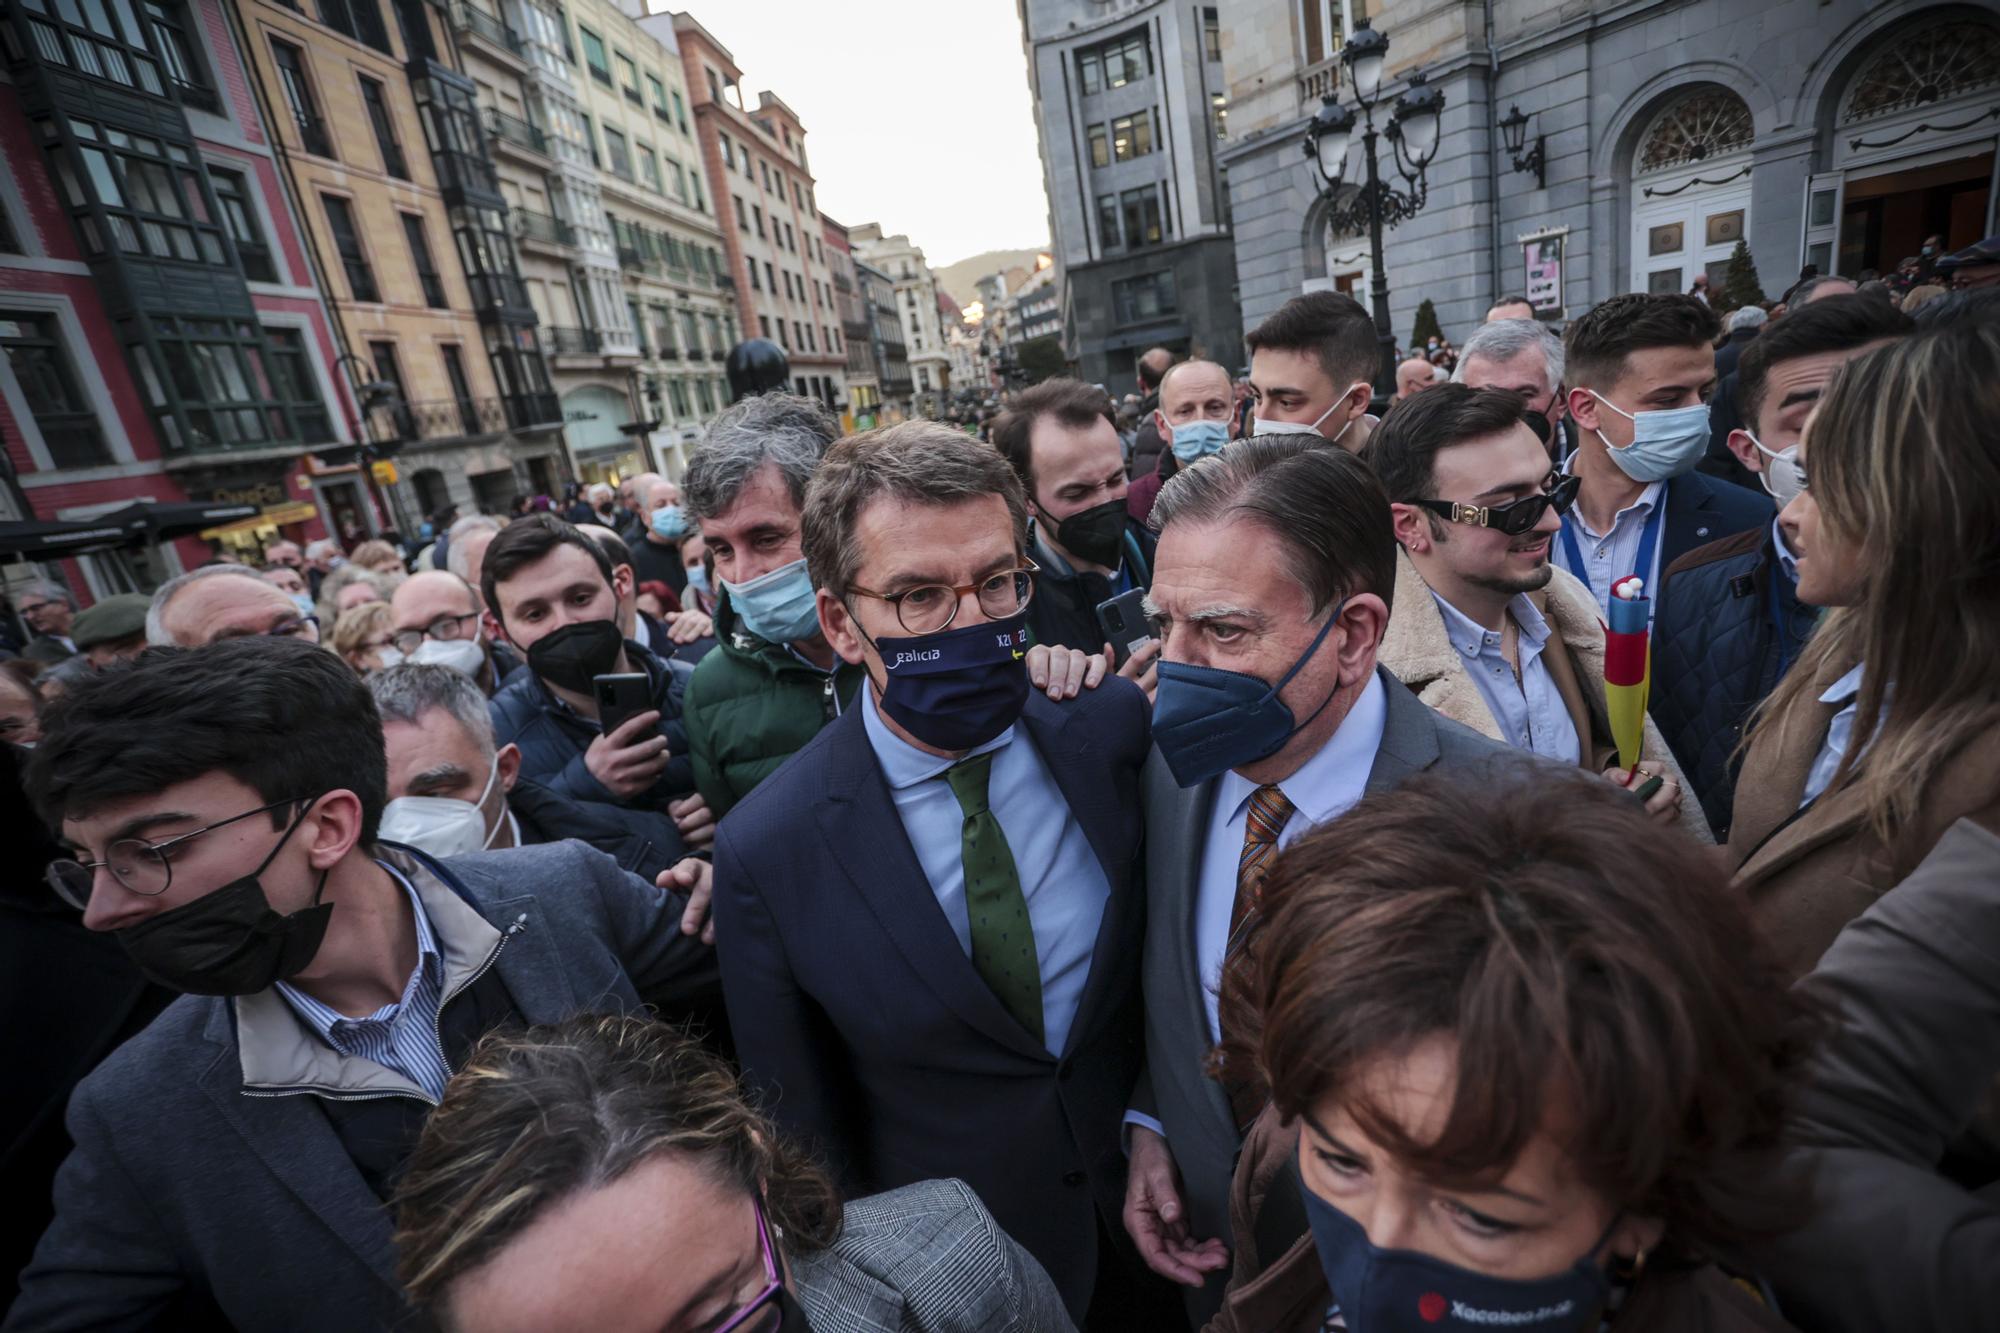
275	516
134	525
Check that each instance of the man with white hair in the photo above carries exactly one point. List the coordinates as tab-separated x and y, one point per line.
452	790
321	558
656	552
1523	356
629	521
48	609
1743	324
223	602
603	502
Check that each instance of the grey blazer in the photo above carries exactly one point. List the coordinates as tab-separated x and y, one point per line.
187	1193
926	1258
1172	1088
1891	1241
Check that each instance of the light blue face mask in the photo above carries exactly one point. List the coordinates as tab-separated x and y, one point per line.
303	602
777	607
698	577
669	522
1664	444
1198	439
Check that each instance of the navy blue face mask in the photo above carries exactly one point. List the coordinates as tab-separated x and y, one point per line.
1207	721
958	688
1401	1291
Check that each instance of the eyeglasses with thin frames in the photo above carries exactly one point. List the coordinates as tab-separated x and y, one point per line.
139	865
445	629
932	607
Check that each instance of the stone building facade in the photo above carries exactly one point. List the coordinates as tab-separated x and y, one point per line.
1129	103
1839	133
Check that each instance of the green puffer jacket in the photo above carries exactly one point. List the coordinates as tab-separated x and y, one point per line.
752	705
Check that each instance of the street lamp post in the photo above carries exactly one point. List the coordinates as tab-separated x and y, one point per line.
1412	131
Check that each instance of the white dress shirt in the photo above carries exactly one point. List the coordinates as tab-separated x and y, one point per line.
1839	734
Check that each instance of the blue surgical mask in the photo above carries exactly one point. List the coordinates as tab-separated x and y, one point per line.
777	607
1664	444
698	577
958	688
1207	720
1401	1291
303	602
1199	439
669	522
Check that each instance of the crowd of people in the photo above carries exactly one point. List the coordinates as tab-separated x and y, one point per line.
1194	875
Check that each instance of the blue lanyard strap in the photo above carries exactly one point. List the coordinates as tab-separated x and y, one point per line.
1649	540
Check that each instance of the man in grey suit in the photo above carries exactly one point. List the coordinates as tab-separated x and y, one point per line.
231	1161
1270	592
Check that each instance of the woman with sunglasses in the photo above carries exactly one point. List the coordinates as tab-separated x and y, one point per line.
606	1173
1524	1072
1483	625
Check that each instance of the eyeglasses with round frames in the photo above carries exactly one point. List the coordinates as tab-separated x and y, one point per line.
139	865
445	629
931	607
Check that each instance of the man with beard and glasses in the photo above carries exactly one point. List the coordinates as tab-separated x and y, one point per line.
233	1160
1060	441
930	917
1485	629
556	594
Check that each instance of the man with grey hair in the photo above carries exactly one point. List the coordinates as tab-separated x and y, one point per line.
223	602
773	680
48	609
1743	324
1271	589
452	790
656	551
1523	356
322	556
603	502
631	516
974	844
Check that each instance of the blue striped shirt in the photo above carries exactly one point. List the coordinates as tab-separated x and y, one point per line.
401	1037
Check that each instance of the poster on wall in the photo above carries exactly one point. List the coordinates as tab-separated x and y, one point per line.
1543	260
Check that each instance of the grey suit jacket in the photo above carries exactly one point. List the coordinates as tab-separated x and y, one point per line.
927	1258
1891	1242
187	1191
1173	1089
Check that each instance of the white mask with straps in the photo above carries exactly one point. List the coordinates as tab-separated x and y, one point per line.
442	826
1265	426
1782	476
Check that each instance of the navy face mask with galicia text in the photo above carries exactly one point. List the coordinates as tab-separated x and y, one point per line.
1401	1291
958	688
1207	720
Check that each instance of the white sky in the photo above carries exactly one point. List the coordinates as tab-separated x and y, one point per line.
917	112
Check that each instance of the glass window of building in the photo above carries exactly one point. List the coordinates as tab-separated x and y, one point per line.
376	99
428	277
628	78
299	99
292	376
1132	136
594	56
46	379
347	244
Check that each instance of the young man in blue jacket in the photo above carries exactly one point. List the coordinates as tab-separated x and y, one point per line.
232	1160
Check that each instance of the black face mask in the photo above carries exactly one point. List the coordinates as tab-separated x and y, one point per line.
574	654
1096	534
229	942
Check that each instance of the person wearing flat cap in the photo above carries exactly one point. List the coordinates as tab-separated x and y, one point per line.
112	629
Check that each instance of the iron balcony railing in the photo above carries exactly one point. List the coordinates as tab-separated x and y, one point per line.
523	133
532	226
482	24
572	342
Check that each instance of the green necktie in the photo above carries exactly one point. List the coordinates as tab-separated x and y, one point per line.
1003	939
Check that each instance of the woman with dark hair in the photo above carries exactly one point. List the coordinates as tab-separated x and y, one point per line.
1528	1067
606	1173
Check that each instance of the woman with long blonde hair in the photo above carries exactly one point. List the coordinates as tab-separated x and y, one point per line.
1887	730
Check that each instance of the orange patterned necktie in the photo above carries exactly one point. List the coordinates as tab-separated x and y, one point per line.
1269	811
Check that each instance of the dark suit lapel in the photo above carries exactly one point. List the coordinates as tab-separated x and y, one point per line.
1690	518
1092	799
1409	736
291	1136
865	836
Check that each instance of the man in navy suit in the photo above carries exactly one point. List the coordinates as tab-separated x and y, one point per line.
930	918
1641	370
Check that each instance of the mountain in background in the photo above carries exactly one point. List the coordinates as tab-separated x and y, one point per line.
961	279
